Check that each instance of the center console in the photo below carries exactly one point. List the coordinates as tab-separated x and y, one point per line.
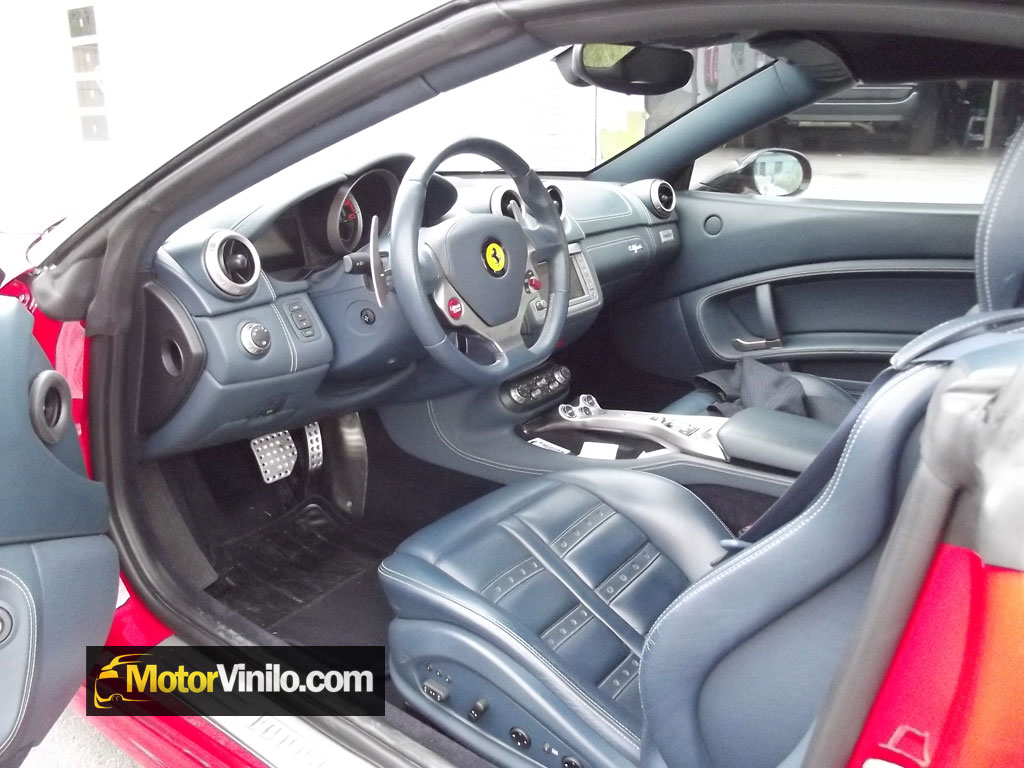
586	429
754	436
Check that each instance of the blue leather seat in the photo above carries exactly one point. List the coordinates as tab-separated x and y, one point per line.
565	574
580	619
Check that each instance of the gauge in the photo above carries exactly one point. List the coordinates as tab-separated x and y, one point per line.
344	223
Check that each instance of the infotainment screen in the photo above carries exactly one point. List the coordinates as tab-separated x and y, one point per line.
575	284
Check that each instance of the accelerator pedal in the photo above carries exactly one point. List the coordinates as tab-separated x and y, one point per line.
314	446
276	455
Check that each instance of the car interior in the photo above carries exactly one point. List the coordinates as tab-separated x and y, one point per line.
608	460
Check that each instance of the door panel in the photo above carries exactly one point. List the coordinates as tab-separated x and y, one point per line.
58	569
841	285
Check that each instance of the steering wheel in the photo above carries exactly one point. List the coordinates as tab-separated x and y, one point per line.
471	278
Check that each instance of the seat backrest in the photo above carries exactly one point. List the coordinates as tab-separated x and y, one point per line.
735	670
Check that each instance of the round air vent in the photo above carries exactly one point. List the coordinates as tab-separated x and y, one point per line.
556	197
232	263
663	198
501	201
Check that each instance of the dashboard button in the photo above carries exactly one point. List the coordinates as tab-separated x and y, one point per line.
454	309
255	339
295	307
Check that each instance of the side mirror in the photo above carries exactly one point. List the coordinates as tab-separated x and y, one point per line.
633	69
769	172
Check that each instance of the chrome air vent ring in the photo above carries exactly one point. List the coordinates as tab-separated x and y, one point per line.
232	263
663	198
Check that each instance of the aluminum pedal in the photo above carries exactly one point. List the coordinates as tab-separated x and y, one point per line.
276	455
314	446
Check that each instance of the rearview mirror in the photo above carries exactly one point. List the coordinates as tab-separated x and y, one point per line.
634	69
769	172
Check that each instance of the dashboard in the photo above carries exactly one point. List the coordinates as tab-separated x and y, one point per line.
262	315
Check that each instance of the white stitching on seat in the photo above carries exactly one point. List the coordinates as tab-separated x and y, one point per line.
996	190
783	533
714	466
598	709
571	525
20	585
709	509
929	337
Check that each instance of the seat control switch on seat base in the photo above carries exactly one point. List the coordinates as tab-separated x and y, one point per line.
435	690
520	738
477	710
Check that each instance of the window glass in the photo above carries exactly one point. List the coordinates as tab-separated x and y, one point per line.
555	126
933	142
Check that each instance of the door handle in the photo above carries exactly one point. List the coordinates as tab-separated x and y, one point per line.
766	313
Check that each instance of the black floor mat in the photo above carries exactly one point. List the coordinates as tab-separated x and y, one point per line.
309	575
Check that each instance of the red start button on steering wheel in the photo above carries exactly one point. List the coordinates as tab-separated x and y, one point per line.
455	308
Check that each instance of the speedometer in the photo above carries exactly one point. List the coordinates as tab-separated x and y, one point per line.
344	224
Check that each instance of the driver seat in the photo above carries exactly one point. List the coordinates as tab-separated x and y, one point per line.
588	618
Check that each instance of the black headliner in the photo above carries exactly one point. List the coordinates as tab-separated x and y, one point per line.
886	58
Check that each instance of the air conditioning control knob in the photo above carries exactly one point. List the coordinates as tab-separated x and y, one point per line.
255	338
562	374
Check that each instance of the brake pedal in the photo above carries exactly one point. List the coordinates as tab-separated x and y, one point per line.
276	455
314	446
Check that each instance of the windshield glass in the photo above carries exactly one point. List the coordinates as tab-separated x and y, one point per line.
110	93
555	126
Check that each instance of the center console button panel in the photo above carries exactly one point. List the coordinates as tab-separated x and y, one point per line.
537	388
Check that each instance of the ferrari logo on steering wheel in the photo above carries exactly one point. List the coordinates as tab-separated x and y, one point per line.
494	258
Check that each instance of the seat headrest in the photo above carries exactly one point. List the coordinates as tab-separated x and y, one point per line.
999	247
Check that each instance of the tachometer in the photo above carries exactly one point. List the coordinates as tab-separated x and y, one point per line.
344	223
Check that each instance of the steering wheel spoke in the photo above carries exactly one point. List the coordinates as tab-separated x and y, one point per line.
486	271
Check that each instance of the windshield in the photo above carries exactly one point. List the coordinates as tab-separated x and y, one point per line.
555	126
110	92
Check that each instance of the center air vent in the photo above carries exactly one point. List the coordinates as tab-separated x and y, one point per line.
502	199
556	198
232	263
663	198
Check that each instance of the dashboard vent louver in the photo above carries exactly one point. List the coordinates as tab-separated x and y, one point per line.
556	198
663	198
507	198
232	263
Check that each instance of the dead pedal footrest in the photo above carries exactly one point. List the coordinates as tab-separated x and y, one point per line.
276	455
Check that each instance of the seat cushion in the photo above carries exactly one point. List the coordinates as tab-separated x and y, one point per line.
566	574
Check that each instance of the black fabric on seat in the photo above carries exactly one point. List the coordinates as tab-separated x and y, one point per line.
752	384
